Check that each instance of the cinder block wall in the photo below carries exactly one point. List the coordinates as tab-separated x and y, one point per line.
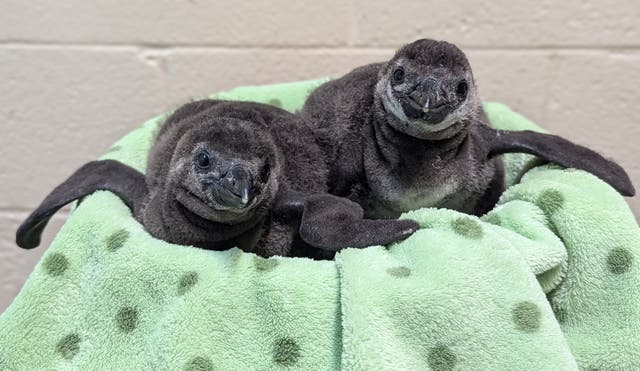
76	75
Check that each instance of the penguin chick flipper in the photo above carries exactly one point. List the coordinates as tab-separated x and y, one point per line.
557	150
334	223
126	182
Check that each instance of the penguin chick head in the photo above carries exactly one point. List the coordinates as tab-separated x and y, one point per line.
224	170
428	88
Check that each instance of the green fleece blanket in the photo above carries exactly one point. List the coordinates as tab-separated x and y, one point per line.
549	280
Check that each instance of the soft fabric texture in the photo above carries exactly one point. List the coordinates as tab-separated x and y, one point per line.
549	280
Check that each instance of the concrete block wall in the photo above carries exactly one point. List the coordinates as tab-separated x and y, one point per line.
77	75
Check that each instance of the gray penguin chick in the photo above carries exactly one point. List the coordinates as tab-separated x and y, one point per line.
224	174
411	133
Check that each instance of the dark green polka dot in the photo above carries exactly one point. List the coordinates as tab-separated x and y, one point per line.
275	102
186	282
399	271
117	239
199	364
619	261
550	201
526	316
263	264
69	346
127	319
286	352
56	264
467	227
113	149
441	358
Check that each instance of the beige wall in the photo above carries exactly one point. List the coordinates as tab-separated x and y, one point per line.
76	75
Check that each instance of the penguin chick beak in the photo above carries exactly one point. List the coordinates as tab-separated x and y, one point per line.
430	101
233	191
432	93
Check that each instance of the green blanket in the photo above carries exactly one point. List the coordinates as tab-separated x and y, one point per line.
549	280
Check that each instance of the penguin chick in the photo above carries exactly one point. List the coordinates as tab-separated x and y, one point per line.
411	133
199	189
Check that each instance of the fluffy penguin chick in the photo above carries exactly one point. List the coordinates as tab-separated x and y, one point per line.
224	174
202	188
411	133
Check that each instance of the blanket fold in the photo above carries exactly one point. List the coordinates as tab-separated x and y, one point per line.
548	280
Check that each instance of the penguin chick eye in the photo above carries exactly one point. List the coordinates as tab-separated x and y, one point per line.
461	89
398	75
202	159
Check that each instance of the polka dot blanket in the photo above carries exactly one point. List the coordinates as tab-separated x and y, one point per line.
548	280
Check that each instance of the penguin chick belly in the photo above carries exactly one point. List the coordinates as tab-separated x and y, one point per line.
415	188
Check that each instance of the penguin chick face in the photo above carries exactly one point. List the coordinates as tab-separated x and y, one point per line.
429	90
223	171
